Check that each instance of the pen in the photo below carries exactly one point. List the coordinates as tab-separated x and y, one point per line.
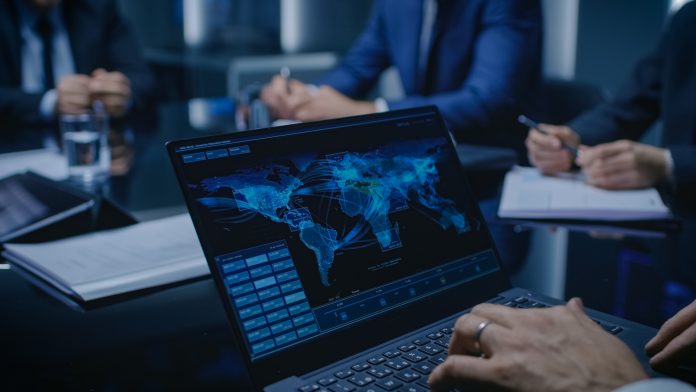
285	74
526	121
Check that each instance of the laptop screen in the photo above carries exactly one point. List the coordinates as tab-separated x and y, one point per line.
315	229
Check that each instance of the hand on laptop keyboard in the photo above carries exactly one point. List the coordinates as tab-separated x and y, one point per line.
555	349
673	348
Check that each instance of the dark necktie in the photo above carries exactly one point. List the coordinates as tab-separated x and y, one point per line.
431	71
45	30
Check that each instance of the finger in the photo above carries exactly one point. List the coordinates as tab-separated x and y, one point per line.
603	151
540	141
74	85
463	340
79	100
100	86
458	369
498	314
113	100
676	351
671	328
296	102
307	112
98	72
623	180
551	168
577	309
615	164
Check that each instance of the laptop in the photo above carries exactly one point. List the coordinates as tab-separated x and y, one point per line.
344	250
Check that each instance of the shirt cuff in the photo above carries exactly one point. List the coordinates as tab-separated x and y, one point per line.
47	106
669	165
381	105
657	384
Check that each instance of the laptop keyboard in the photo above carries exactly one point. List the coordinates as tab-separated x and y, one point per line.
405	368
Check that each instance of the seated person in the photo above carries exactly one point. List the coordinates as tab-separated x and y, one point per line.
661	87
478	61
60	57
559	349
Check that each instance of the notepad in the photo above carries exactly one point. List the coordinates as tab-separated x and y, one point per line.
527	194
118	261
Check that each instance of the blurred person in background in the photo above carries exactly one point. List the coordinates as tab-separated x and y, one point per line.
478	61
662	87
60	57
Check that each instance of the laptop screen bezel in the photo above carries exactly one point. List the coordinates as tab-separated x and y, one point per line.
309	356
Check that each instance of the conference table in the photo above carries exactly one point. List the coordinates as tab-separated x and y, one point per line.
178	337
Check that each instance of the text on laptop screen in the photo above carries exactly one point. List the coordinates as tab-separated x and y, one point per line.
319	229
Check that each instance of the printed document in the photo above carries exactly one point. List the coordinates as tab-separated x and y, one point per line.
116	261
529	194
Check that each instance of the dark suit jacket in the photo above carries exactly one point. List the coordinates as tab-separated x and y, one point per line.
99	37
662	86
488	63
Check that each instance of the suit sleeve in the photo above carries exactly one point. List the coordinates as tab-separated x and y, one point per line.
634	108
506	57
19	109
657	384
123	54
684	174
366	59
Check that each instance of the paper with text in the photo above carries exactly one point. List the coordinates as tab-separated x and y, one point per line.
529	194
116	261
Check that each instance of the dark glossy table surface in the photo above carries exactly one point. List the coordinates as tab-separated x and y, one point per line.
178	337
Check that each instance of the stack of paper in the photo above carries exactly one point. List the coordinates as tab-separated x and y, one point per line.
117	261
527	194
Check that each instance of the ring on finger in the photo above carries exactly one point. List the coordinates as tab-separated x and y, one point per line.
477	337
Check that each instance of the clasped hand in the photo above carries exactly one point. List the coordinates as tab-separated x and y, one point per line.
76	93
292	99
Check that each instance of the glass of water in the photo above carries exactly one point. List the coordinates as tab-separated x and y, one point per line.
85	146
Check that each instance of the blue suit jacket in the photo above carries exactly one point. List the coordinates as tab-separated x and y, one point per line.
99	38
488	63
662	86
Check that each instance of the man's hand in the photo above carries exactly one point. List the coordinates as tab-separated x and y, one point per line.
545	151
122	153
675	343
623	164
112	89
328	103
556	349
73	94
282	96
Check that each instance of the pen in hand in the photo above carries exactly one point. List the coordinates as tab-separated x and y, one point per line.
526	121
285	74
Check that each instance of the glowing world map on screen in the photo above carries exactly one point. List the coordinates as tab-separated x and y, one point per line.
369	187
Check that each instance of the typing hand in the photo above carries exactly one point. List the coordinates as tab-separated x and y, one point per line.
73	94
546	151
675	343
328	103
282	96
112	89
623	164
540	350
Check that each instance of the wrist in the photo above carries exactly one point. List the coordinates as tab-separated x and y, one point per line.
365	107
48	104
669	165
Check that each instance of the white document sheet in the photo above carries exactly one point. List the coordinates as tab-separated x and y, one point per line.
45	162
529	194
116	261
